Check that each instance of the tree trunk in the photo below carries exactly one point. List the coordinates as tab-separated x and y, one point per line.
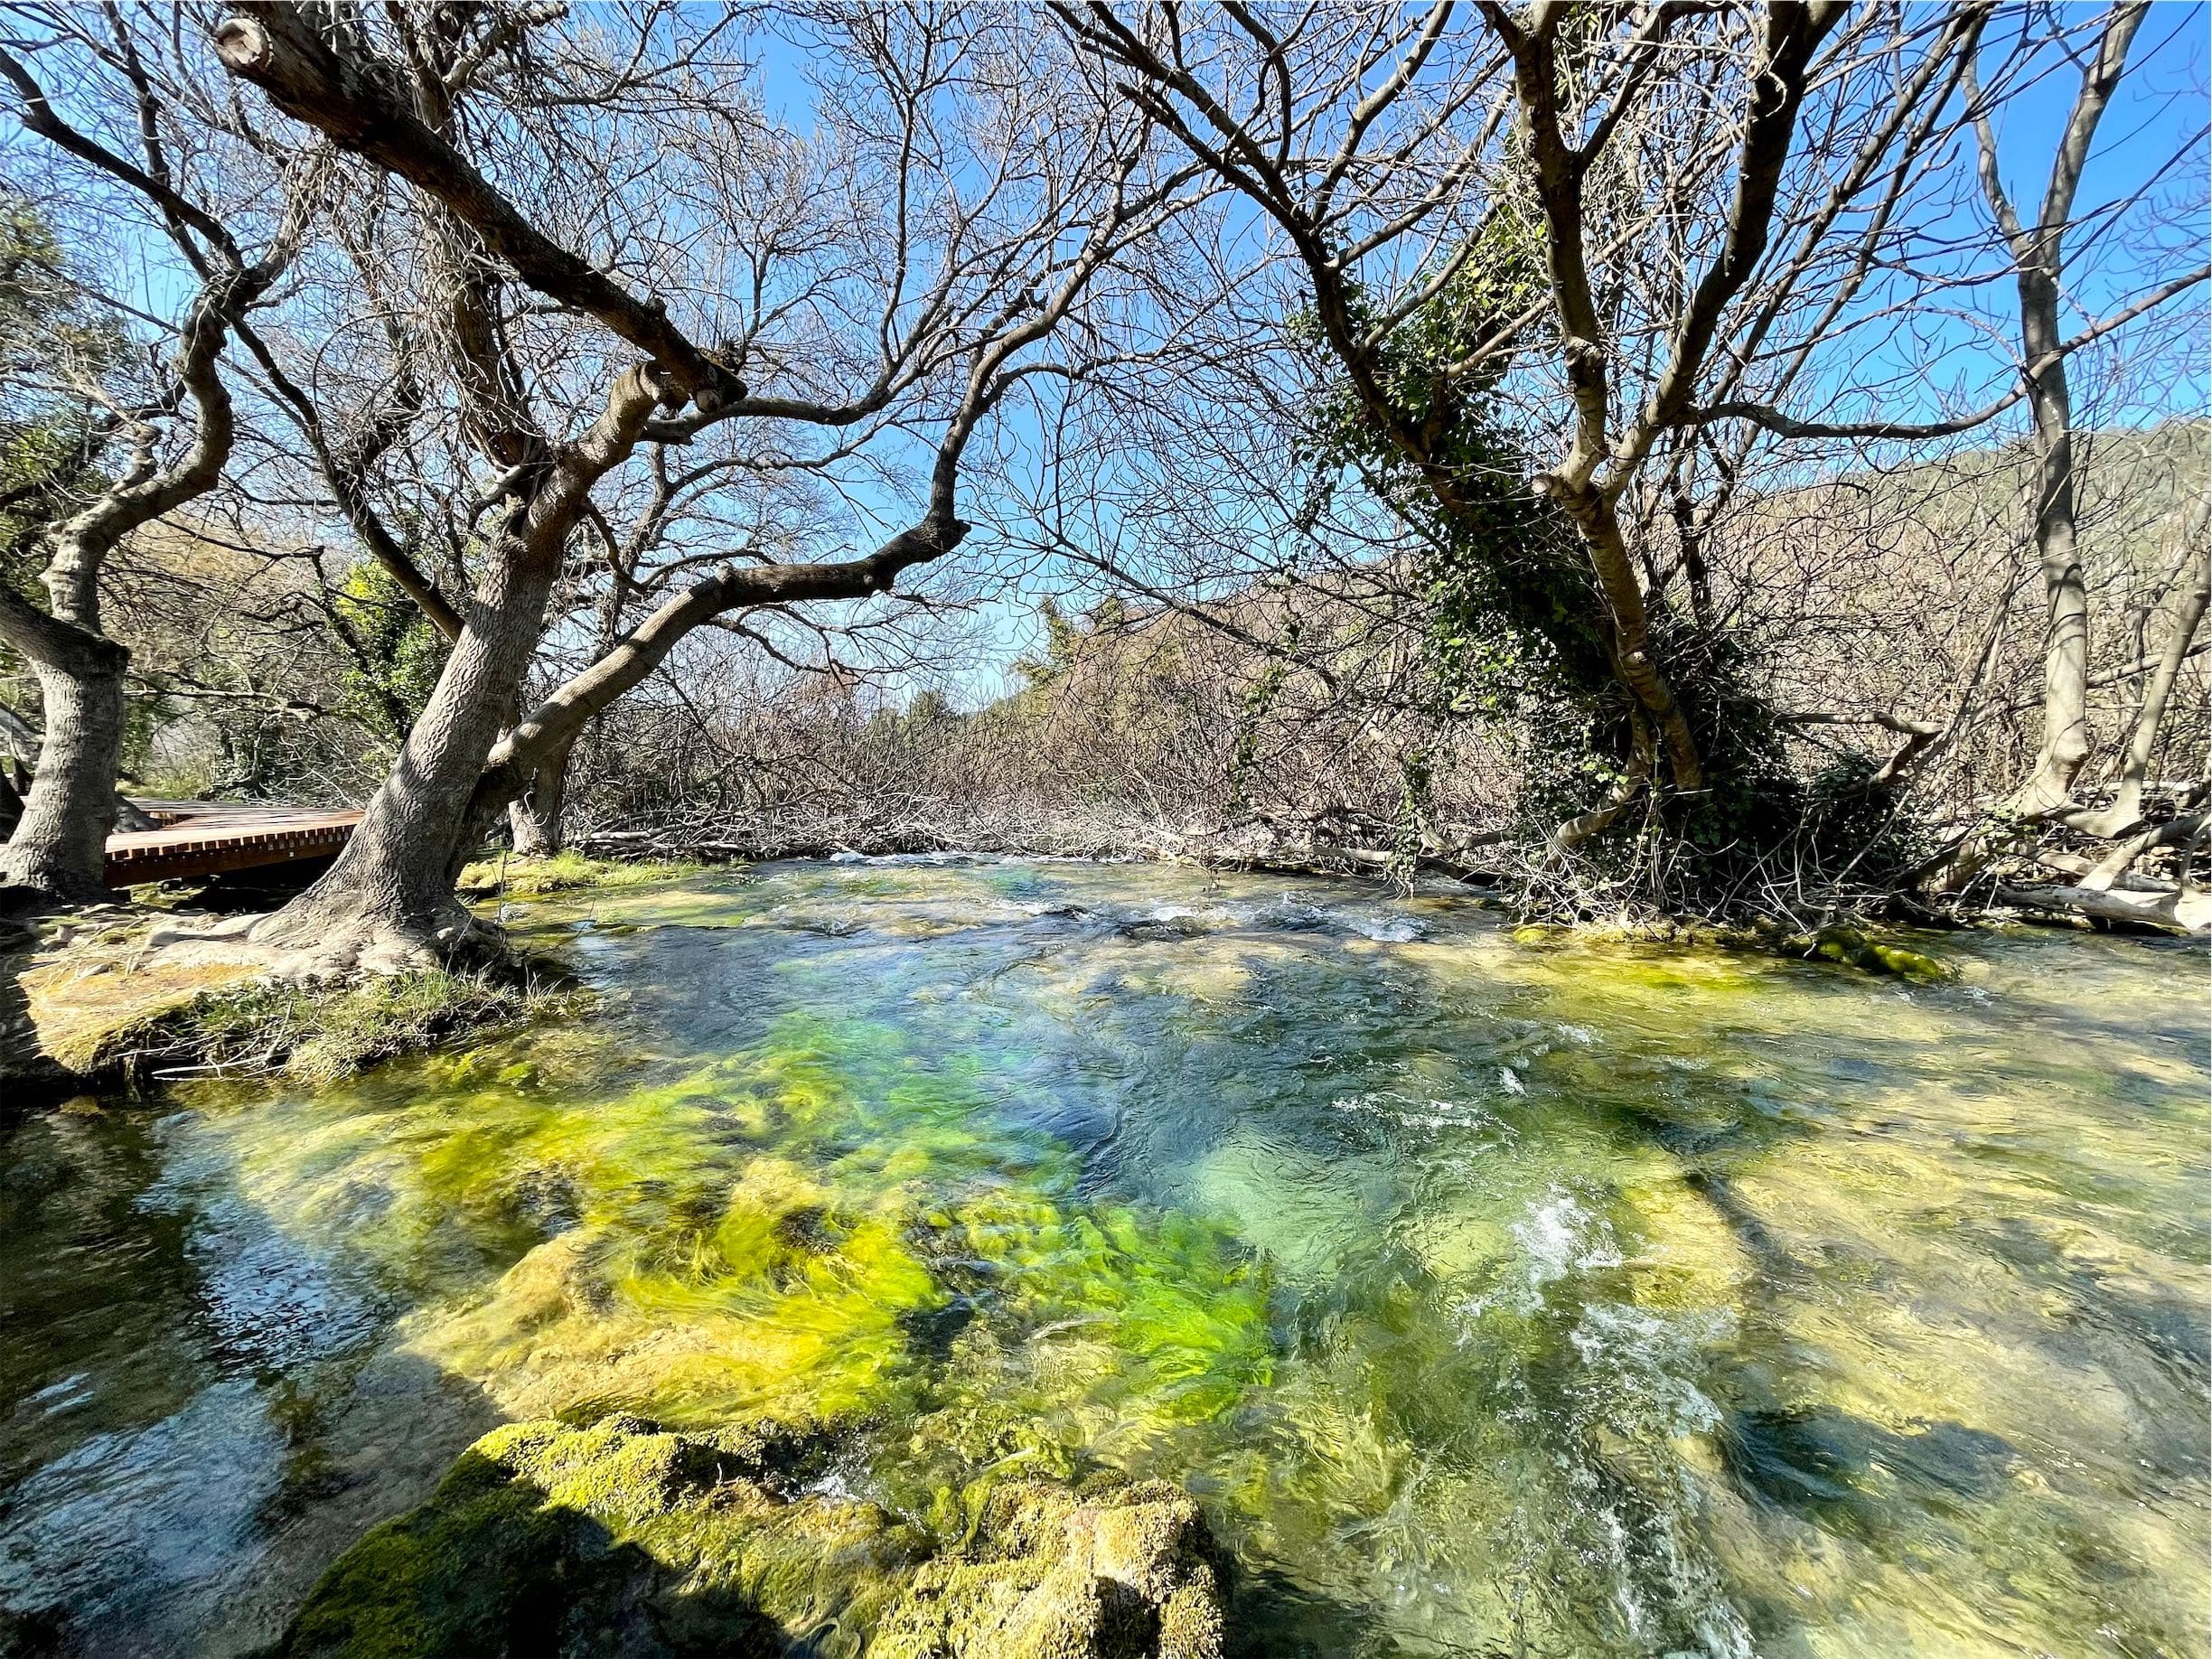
387	902
2126	808
2183	909
61	843
2039	258
534	817
1634	663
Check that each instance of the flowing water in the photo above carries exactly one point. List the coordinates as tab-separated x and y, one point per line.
1497	1295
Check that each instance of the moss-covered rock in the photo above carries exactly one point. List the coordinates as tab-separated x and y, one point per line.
1126	1574
613	1539
619	1538
1866	951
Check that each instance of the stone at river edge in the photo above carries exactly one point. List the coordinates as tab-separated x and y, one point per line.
619	1539
1054	1576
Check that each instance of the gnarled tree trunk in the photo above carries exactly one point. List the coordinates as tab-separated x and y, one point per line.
388	900
60	844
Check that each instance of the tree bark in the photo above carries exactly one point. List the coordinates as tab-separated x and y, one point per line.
555	723
534	816
2039	263
1628	636
389	899
2066	635
333	84
59	845
2184	910
2126	808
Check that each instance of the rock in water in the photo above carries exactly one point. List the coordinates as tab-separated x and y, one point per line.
1126	1574
620	1539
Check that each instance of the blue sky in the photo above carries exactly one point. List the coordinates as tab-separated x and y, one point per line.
2151	138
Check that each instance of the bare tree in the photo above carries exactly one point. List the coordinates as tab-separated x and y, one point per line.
1650	262
1006	198
2039	258
1453	202
175	443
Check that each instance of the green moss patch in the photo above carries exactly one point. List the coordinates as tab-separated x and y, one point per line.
620	1537
1126	1573
321	1033
561	872
88	1019
1872	954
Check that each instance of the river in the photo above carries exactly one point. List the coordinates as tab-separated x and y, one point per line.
1495	1293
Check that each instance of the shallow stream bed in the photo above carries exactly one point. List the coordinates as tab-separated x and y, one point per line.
1495	1296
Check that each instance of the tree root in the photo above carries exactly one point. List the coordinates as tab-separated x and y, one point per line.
306	948
315	949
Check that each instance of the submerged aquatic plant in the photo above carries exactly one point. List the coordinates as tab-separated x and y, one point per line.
784	1231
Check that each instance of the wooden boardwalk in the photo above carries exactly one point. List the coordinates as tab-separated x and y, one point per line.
210	837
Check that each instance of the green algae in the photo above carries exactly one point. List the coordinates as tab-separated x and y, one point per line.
1863	949
126	1014
320	1034
652	1255
1123	1573
567	871
1179	1305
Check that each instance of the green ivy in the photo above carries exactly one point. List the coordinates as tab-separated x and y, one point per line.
1517	632
401	654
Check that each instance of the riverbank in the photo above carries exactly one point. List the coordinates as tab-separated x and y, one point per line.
2050	885
109	998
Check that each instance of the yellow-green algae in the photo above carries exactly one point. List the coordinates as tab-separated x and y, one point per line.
90	1007
684	1270
140	1021
618	1537
1125	1572
1595	1297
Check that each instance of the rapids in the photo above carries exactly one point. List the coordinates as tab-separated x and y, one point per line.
1495	1294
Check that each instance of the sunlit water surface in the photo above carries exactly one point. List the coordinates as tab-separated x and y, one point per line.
1497	1296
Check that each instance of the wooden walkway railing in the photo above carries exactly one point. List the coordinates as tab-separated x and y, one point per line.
209	837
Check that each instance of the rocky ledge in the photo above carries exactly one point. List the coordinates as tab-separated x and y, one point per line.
622	1538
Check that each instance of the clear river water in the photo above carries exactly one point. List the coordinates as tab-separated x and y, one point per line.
1497	1294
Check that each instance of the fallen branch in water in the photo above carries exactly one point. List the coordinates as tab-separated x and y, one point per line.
2182	910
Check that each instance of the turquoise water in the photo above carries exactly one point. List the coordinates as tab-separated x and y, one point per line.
1495	1295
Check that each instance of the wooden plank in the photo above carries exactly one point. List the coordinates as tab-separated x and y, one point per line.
212	838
